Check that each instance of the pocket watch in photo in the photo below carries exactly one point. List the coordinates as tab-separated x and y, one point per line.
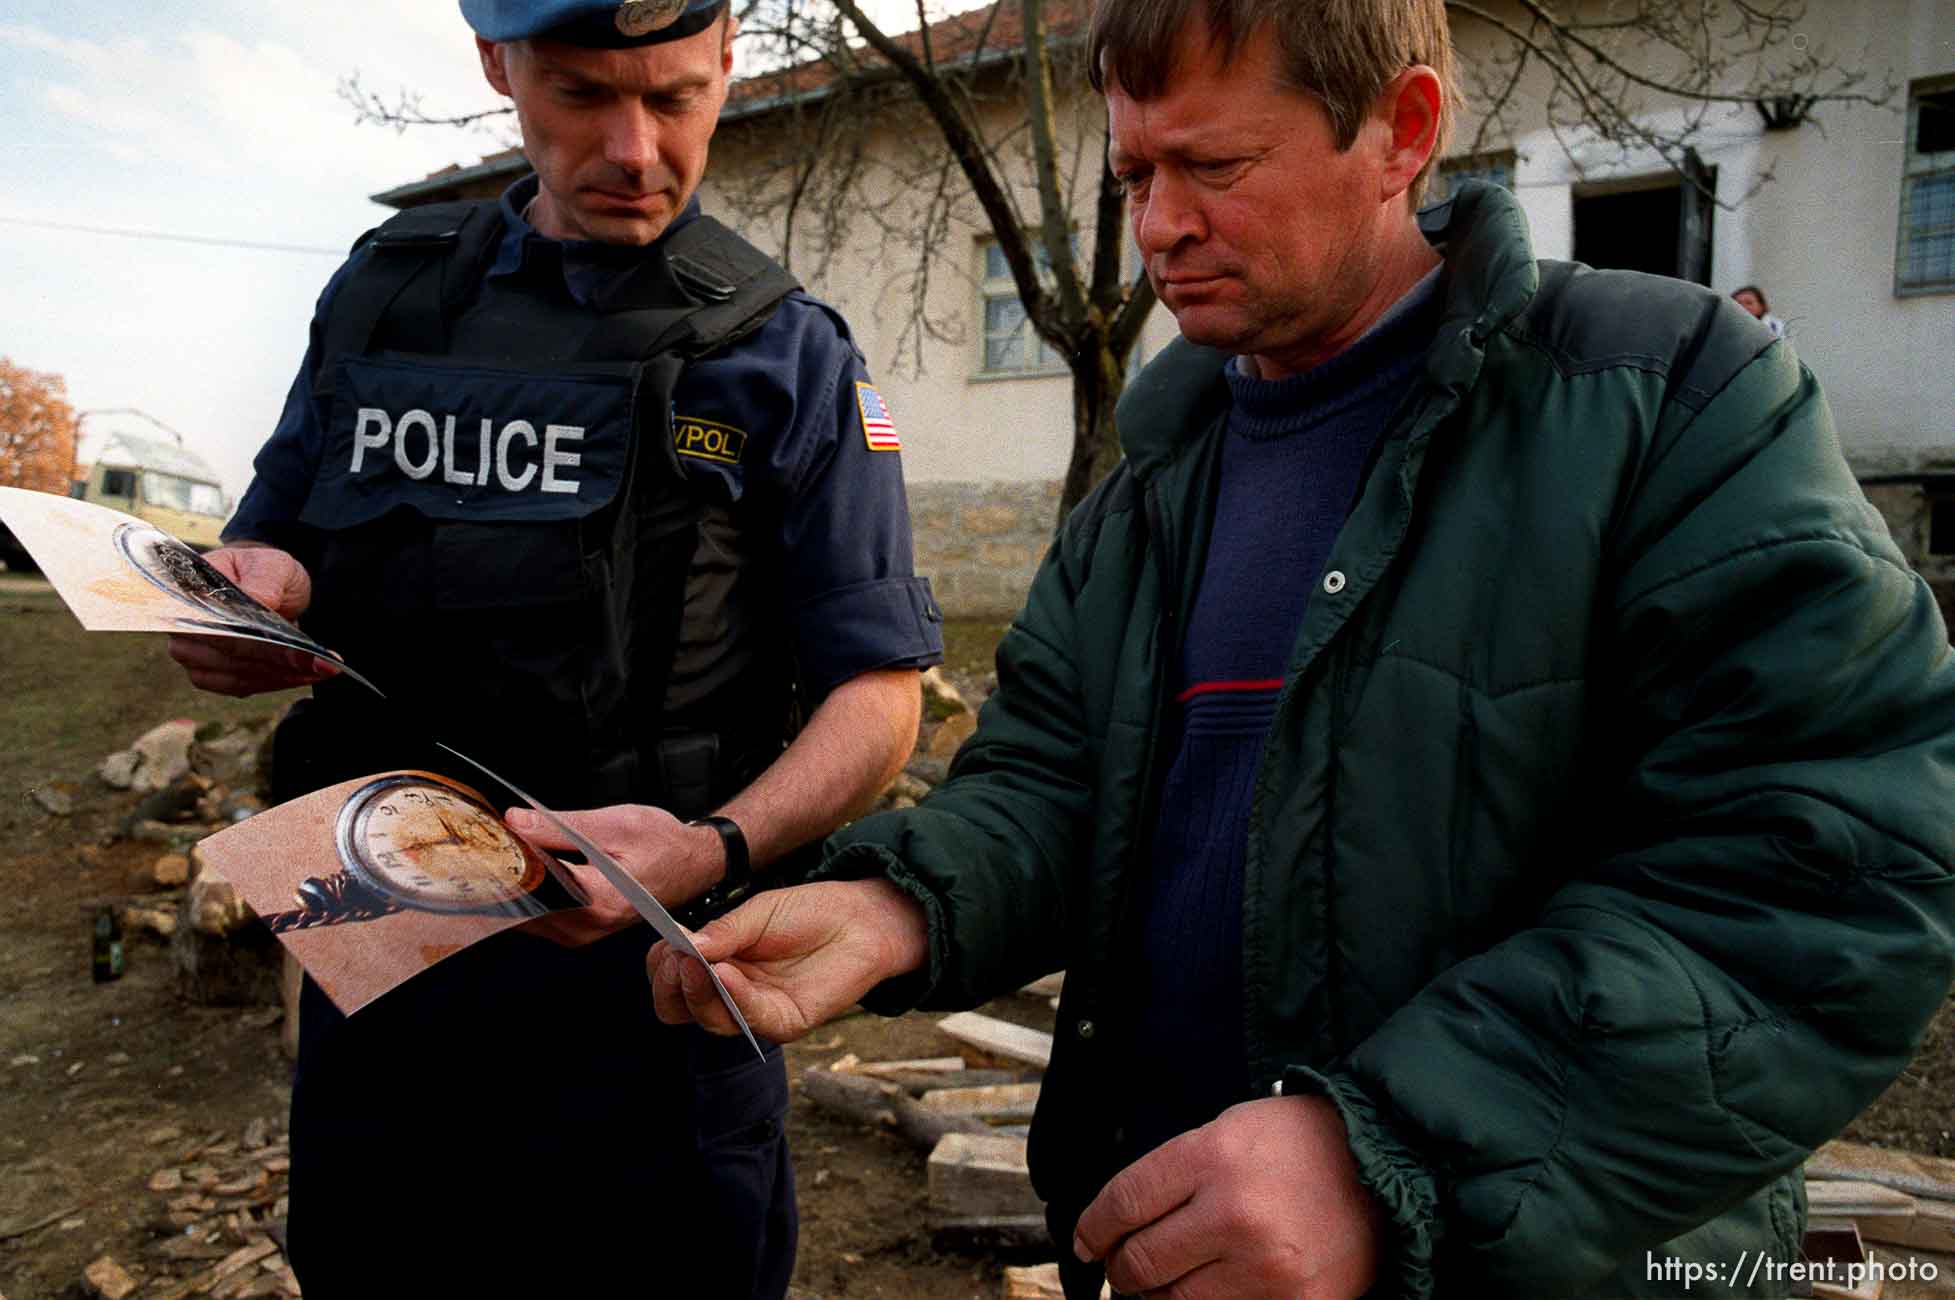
416	841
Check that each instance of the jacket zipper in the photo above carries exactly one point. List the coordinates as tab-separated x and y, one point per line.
1167	636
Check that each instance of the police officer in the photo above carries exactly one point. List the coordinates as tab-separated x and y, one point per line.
597	495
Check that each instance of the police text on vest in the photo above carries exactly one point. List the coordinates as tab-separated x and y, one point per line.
420	445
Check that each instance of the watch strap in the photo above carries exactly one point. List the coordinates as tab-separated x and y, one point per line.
734	886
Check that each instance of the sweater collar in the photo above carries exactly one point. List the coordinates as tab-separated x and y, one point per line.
1384	354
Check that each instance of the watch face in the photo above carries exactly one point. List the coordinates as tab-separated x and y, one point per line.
436	846
175	568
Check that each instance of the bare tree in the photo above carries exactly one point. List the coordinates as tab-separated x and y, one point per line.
983	123
1606	69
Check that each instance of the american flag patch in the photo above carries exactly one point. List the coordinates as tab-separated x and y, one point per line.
877	428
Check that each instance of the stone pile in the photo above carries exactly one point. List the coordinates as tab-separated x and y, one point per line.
948	721
194	781
219	1215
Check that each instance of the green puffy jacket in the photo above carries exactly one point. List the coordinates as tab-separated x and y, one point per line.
1598	861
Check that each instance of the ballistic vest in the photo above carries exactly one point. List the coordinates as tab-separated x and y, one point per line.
507	542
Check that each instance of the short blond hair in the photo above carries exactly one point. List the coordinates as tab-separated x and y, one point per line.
1342	52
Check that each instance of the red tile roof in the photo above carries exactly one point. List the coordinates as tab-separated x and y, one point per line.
993	31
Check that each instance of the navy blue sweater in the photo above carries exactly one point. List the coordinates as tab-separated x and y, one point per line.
1293	457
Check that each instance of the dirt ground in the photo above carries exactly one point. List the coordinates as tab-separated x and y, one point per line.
91	1074
101	1085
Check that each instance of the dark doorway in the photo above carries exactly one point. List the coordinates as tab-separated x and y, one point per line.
1661	225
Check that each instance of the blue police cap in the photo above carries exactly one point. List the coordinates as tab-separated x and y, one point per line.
600	24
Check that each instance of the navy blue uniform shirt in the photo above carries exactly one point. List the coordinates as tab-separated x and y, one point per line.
787	419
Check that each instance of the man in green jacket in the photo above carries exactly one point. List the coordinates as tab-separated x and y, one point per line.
1485	769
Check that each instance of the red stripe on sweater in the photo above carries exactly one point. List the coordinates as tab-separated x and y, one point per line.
1208	688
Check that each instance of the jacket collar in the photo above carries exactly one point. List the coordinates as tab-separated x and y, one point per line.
1490	276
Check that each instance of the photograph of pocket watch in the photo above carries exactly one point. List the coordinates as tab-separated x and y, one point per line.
413	841
174	568
220	605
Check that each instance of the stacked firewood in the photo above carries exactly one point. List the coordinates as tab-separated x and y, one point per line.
970	1112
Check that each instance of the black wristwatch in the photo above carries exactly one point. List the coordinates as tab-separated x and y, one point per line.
735	885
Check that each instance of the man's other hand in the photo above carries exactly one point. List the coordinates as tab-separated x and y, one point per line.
232	665
792	958
1262	1202
675	861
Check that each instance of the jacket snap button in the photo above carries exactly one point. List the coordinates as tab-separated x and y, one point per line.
1334	581
1085	1029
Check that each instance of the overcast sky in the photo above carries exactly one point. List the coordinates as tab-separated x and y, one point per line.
216	120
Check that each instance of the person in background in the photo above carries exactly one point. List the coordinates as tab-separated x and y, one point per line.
1752	299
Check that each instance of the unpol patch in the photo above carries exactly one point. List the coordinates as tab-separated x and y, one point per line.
707	440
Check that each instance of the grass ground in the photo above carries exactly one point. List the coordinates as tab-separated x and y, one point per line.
69	697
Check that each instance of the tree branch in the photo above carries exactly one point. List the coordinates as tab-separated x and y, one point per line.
406	110
1055	226
962	141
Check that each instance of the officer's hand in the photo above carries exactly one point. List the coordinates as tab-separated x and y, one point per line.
792	958
1263	1202
231	665
675	861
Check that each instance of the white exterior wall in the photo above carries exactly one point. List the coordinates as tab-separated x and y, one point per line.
1820	237
957	426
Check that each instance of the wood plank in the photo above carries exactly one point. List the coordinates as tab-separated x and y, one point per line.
1881	1213
1020	1234
1933	1227
1046	986
928	1064
1039	1282
918	1084
918	1077
995	1038
980	1176
237	1261
1917	1175
1009	1103
1834	1240
881	1104
941	1064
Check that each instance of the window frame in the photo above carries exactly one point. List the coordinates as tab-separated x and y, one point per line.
1043	361
1917	167
1487	165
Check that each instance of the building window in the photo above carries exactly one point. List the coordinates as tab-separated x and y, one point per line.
1011	346
1496	168
1924	259
1941	525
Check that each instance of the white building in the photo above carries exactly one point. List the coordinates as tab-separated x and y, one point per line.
1852	237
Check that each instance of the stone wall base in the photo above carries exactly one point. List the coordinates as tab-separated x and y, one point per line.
980	543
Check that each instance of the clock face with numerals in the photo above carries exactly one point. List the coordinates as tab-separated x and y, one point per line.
435	846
